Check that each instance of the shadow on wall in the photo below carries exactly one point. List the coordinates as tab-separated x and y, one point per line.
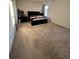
12	27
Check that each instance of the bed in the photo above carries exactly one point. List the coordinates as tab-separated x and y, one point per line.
37	18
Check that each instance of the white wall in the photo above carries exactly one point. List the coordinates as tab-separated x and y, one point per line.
28	6
15	11
59	12
12	27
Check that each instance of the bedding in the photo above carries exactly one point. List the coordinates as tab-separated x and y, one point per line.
37	17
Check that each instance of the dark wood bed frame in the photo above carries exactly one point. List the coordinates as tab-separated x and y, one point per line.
36	22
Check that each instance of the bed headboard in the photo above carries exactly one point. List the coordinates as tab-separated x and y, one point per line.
33	13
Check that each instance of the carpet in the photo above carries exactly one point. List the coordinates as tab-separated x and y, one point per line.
44	41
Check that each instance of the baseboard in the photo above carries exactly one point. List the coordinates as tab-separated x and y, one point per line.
61	25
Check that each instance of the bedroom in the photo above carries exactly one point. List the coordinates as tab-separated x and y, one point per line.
49	40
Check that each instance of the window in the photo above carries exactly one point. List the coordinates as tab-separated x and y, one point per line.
46	10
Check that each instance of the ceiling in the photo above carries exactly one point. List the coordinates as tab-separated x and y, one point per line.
36	0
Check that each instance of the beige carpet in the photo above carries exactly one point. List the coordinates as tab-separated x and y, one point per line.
45	41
